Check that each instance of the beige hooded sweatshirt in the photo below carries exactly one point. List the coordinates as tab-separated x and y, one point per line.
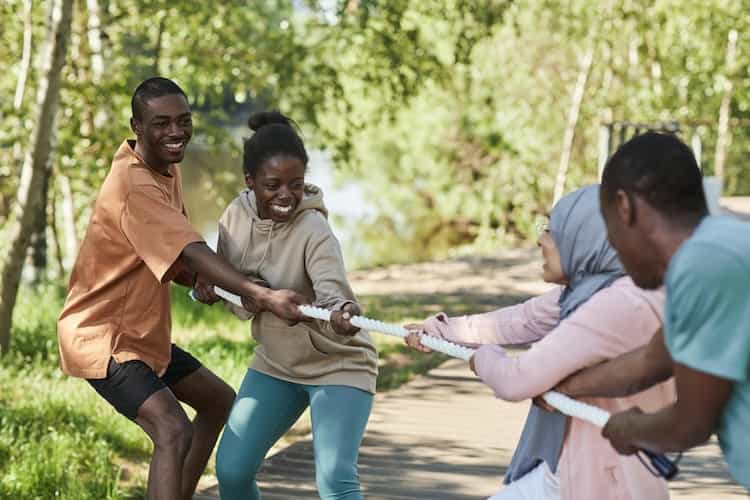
302	255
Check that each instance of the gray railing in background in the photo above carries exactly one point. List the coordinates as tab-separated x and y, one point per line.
614	134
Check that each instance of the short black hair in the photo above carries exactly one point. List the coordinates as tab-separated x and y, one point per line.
662	170
275	134
150	89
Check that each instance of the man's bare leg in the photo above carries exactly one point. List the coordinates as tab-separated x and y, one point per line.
169	428
212	399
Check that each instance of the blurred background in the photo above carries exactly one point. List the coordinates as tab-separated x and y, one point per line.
437	129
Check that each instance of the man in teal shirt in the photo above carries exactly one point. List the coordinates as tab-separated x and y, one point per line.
707	324
657	220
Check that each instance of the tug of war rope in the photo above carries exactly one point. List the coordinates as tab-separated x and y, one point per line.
662	465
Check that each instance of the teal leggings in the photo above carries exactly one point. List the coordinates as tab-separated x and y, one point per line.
266	408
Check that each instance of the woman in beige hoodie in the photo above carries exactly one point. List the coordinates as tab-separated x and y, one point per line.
277	233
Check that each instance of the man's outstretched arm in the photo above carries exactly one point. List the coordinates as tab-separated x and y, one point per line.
627	374
688	422
199	258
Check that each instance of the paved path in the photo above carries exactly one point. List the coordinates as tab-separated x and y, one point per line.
444	436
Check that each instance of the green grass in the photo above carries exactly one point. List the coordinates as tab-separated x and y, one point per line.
59	439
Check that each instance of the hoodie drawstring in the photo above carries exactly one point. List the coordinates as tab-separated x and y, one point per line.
265	251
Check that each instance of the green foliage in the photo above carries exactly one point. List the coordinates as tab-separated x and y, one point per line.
463	157
57	439
139	39
189	314
34	338
48	449
450	113
91	475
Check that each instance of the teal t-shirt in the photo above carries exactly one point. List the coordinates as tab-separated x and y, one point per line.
707	323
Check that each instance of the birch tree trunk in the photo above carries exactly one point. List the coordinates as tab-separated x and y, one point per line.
157	48
24	69
38	240
68	222
56	233
575	108
23	74
95	40
27	207
723	135
96	46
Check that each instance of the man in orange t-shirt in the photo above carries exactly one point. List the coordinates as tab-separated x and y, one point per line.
115	327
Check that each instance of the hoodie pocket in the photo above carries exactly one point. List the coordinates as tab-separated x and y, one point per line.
293	350
316	344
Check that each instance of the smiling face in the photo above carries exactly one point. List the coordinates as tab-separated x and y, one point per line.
552	271
163	131
279	187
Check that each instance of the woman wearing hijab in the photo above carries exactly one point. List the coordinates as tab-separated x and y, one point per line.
596	313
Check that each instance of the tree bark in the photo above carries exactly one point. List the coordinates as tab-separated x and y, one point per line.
352	6
95	40
96	47
68	221
38	243
56	233
27	207
157	48
23	74
723	135
575	108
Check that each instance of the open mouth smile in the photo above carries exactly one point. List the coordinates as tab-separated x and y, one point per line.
282	210
174	147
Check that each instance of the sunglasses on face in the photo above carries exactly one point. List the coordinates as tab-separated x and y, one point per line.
541	225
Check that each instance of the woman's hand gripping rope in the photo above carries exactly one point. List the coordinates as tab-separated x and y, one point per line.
341	319
414	340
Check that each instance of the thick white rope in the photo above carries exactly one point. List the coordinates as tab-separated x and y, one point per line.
433	343
577	409
436	344
561	402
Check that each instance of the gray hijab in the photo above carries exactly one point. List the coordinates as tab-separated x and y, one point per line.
590	263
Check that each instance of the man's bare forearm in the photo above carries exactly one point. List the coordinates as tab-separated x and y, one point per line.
689	421
202	260
660	432
185	278
627	374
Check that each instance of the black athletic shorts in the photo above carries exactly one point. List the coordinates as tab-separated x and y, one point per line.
128	385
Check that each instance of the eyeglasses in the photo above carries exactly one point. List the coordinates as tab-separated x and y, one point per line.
541	224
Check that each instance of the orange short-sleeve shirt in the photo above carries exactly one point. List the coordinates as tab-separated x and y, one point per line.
118	302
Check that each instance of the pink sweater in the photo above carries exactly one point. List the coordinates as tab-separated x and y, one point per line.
615	320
